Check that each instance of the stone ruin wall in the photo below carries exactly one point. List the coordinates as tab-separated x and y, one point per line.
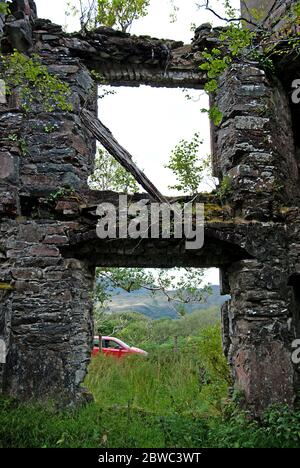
259	321
49	249
48	315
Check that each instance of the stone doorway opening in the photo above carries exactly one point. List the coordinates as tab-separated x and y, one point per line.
167	331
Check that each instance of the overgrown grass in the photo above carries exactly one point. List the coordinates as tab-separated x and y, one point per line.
163	384
92	426
192	381
36	426
169	399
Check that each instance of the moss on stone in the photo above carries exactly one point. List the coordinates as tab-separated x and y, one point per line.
6	287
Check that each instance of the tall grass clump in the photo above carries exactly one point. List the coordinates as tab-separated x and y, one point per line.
166	400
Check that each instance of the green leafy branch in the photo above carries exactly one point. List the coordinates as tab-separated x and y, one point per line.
112	13
34	83
121	13
21	142
179	287
4	8
187	166
237	41
61	193
110	175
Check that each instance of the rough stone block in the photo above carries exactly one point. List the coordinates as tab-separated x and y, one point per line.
8	167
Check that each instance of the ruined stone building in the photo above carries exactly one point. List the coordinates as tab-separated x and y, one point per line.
49	248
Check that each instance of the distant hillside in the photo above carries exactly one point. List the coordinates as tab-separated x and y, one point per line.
157	306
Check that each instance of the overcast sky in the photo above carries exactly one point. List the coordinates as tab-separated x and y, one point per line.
149	122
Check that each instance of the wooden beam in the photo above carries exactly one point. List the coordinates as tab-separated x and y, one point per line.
105	137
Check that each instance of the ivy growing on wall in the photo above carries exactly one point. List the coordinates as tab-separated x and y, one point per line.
256	43
32	79
34	83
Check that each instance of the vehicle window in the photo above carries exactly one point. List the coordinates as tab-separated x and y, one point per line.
96	342
124	345
113	345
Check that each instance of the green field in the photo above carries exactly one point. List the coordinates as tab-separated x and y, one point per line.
169	399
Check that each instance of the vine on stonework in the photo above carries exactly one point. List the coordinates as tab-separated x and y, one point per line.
236	41
233	42
34	82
